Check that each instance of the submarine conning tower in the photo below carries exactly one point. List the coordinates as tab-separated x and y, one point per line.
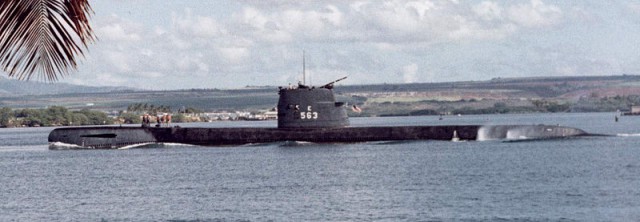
310	107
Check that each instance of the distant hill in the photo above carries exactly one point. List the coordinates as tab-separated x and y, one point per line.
570	87
11	87
377	99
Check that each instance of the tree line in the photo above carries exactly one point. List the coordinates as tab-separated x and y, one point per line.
148	108
153	109
52	116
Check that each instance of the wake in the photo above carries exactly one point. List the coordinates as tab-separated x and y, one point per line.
150	145
628	134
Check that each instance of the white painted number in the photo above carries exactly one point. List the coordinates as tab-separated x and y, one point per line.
308	115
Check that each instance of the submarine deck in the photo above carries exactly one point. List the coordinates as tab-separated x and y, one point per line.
115	137
234	136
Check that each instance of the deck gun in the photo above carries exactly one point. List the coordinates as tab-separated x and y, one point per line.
330	85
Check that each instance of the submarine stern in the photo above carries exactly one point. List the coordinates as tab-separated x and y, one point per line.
99	137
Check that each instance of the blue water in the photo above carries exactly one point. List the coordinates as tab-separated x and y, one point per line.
583	179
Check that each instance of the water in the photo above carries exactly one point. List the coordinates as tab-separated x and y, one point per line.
584	179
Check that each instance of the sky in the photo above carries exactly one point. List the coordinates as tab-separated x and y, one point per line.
165	45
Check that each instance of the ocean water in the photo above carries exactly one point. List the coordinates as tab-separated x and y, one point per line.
580	179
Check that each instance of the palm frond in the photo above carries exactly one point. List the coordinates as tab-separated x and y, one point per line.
43	37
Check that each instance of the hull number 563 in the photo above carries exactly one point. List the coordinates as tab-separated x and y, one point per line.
309	114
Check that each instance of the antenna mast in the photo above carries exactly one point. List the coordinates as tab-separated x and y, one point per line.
304	70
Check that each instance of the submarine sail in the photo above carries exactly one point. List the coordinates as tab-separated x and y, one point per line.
311	107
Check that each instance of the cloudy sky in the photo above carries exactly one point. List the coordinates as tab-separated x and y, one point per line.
153	44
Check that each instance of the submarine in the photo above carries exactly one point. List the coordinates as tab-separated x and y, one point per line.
305	113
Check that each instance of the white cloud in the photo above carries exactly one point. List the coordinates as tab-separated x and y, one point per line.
260	42
234	55
420	7
196	26
409	73
117	60
146	52
535	14
634	7
150	75
283	26
178	42
395	16
411	22
119	30
392	21
116	32
488	10
253	17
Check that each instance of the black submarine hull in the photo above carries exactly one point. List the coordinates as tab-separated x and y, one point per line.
118	137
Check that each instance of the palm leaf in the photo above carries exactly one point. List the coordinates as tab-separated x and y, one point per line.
43	37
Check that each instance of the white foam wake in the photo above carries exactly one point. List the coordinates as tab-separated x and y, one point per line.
176	144
483	134
134	146
628	134
297	143
67	146
64	146
154	145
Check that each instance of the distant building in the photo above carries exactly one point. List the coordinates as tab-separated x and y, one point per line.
271	115
635	110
